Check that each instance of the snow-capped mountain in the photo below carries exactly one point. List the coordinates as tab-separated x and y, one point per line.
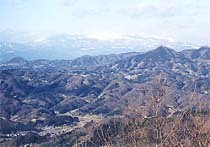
73	46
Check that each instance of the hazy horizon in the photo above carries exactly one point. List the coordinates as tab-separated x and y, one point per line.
180	21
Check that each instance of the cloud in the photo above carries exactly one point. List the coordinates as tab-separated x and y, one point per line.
151	9
68	3
166	9
19	3
86	12
81	12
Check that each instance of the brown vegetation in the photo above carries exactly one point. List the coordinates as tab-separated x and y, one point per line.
189	128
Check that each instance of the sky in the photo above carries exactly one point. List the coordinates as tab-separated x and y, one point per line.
176	20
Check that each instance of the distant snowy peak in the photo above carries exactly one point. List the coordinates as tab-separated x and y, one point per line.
130	42
73	46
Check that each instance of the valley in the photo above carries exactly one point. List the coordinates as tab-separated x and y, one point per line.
51	99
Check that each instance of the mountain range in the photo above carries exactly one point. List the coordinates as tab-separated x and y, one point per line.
37	95
69	47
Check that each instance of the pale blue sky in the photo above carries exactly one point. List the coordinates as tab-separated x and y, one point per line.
179	20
